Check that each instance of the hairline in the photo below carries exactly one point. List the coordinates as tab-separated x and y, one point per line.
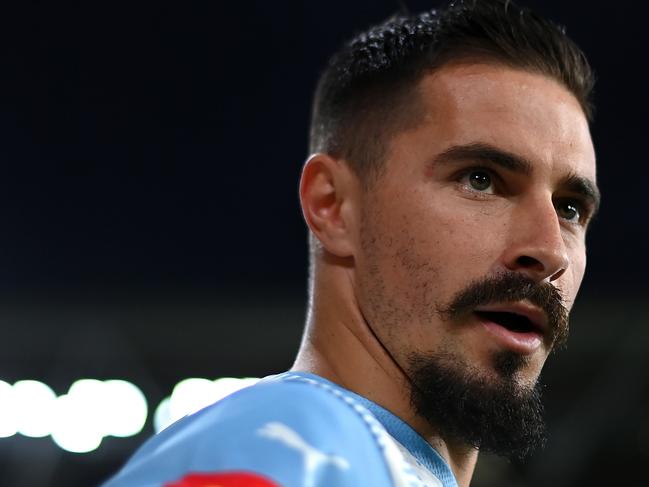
372	174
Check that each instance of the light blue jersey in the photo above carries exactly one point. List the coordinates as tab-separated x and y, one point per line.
289	430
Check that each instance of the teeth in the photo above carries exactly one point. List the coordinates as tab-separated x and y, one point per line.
511	321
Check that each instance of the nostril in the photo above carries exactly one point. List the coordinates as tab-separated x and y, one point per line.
557	275
528	262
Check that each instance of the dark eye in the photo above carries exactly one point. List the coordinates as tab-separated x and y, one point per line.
480	180
568	210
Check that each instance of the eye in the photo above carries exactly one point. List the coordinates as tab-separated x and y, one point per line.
569	210
478	180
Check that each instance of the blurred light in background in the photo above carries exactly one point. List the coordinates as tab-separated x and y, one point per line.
93	409
193	394
8	411
33	405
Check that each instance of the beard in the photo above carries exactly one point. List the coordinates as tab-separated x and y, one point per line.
490	409
495	415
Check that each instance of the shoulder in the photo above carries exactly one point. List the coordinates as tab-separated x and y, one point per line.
290	431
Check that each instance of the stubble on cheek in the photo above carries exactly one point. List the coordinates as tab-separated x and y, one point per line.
398	283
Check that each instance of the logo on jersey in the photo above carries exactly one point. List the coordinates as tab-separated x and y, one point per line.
230	479
312	457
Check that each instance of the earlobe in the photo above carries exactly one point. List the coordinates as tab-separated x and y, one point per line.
327	199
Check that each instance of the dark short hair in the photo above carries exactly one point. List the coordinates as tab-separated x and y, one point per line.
368	90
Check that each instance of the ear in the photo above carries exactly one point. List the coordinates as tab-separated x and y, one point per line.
329	195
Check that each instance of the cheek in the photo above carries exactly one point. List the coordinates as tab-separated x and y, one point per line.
462	239
575	275
398	271
426	250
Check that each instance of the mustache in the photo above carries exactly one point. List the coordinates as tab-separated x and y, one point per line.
509	287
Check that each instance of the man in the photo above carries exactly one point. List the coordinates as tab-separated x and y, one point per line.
448	196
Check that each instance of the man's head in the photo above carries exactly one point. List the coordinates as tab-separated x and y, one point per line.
368	91
452	186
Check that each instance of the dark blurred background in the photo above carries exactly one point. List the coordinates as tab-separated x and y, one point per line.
151	230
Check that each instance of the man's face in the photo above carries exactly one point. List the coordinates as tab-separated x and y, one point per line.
494	182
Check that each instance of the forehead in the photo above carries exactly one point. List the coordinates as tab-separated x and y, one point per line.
518	111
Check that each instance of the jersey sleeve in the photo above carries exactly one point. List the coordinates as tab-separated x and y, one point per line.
269	435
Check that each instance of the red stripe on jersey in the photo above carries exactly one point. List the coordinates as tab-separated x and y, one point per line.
230	479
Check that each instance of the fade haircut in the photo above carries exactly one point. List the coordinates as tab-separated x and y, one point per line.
368	91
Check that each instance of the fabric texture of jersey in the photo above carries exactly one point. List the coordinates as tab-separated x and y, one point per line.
290	430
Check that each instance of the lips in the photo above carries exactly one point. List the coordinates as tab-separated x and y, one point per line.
518	326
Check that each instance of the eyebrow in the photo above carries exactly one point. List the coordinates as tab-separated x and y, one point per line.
586	189
486	153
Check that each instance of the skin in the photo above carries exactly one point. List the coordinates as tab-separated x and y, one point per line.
388	256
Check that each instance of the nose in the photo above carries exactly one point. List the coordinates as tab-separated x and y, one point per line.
536	246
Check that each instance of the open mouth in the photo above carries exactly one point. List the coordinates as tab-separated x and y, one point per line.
511	321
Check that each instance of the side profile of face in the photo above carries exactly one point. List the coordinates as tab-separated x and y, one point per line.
495	186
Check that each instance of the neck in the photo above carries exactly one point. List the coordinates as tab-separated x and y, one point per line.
339	345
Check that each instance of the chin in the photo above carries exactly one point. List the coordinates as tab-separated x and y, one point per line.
504	367
495	408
